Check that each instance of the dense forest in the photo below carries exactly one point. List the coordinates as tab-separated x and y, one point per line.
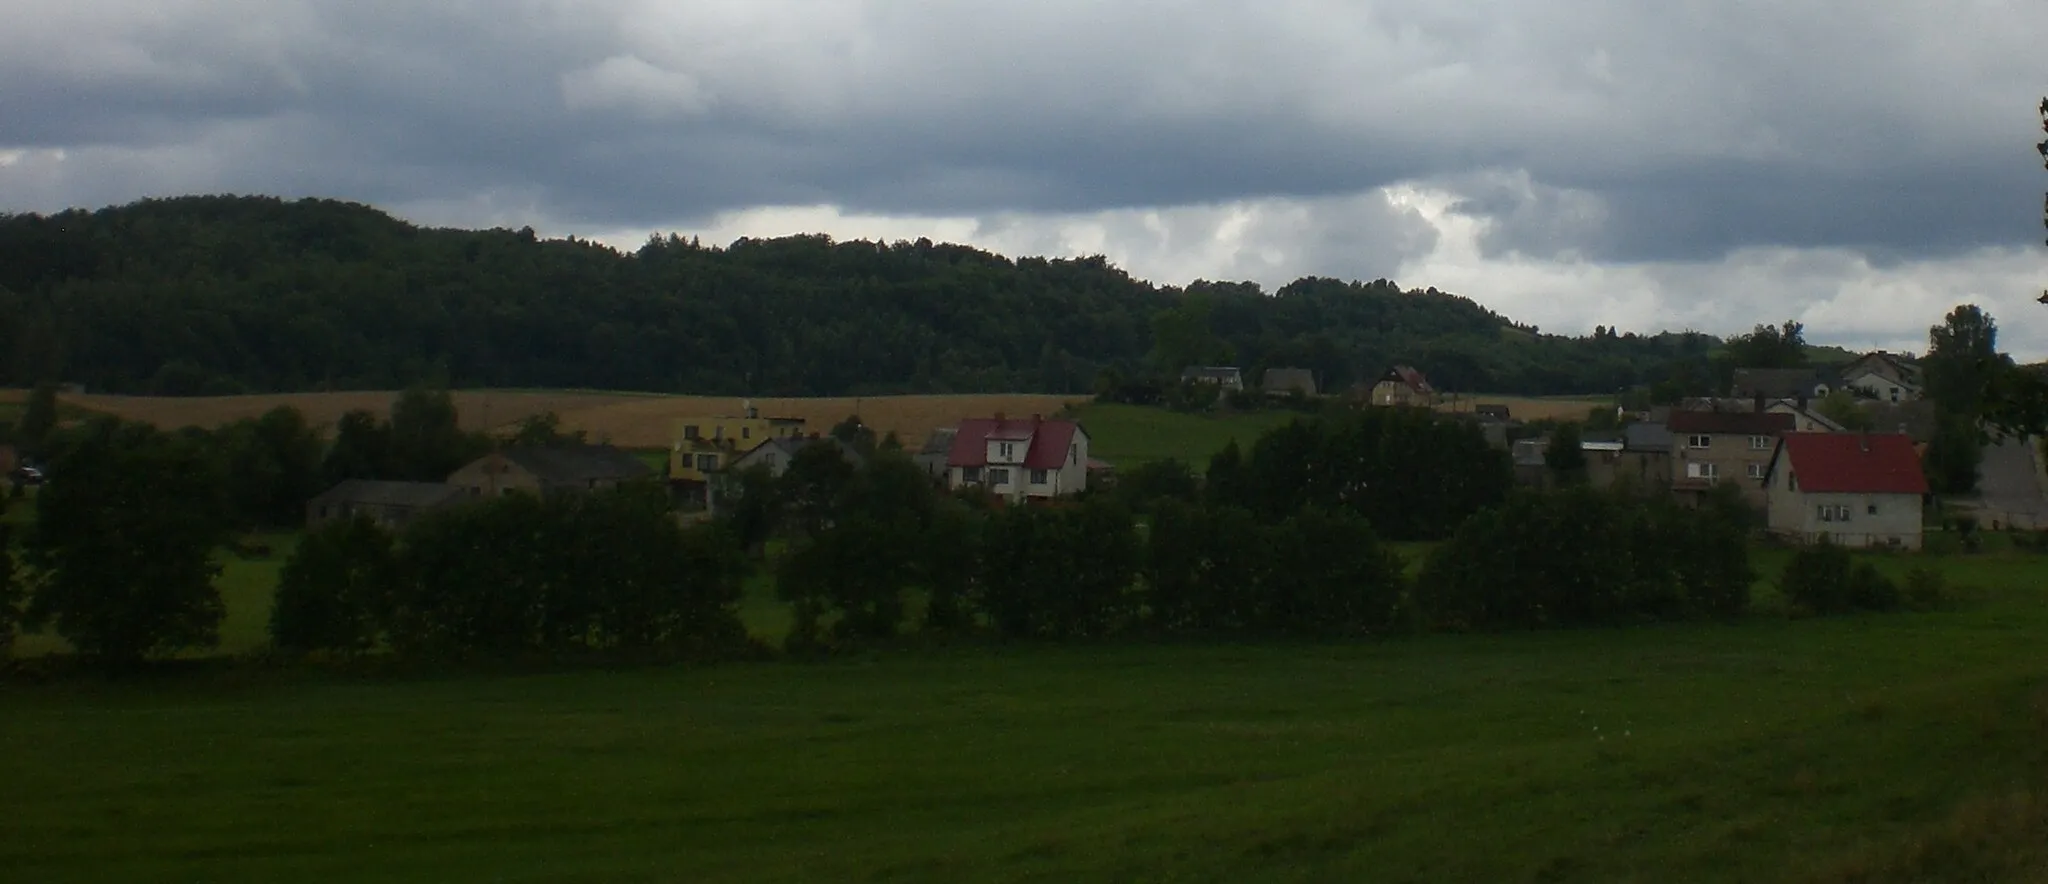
223	294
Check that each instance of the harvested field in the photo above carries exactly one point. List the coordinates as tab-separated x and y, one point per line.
630	420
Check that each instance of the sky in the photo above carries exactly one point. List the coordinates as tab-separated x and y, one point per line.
1689	164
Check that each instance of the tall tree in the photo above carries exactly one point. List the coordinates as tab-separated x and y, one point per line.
123	543
1962	360
1565	456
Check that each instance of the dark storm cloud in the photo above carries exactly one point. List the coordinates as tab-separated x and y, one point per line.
1615	131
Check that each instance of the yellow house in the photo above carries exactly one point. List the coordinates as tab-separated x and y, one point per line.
705	445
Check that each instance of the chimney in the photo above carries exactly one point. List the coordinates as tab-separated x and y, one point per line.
999	417
1037	419
1863	442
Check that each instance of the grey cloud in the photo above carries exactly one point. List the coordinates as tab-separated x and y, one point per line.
1634	132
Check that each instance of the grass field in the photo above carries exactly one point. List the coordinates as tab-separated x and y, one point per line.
1769	750
1128	435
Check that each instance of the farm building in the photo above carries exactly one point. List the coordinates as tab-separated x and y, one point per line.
1858	489
569	468
390	504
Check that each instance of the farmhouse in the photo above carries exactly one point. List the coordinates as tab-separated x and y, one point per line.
1289	381
570	468
702	446
1880	375
1402	385
390	504
1765	384
773	455
1229	378
1032	459
1710	447
1857	489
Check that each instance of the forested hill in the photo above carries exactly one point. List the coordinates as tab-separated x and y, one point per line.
229	294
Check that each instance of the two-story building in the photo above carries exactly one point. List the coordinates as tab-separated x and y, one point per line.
1711	447
1402	385
1019	459
702	446
1882	376
1858	489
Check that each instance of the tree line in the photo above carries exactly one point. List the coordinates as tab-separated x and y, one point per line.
206	295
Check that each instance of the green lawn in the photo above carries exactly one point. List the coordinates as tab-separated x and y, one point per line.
1128	435
1769	750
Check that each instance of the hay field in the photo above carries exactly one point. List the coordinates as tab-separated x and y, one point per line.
629	420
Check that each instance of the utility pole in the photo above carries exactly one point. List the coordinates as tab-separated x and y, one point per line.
2043	149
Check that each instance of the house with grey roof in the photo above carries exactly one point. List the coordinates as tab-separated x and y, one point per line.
1288	381
1225	377
549	470
390	504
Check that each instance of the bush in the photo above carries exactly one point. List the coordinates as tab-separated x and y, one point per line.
332	588
1825	579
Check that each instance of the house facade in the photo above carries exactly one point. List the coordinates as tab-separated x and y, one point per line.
1224	377
1288	382
1882	376
571	468
1645	460
701	446
1019	459
774	456
392	505
1403	385
1857	489
1712	447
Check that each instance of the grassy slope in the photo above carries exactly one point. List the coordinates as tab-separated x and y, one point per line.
1735	753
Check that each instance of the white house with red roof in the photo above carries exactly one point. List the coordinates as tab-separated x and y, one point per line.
1859	489
1019	458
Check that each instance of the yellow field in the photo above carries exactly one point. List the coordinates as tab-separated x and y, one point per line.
629	420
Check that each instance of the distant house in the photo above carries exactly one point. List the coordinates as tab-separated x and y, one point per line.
569	468
390	504
1795	384
1492	413
1403	385
702	446
1289	381
1645	459
1804	418
1710	447
773	455
1882	376
1530	467
1019	459
1857	489
938	444
1228	378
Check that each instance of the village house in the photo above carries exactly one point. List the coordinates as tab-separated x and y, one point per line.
1791	384
1804	418
1882	376
569	468
702	446
1228	378
392	505
1856	489
1402	385
1711	447
1284	382
774	456
1645	459
1020	459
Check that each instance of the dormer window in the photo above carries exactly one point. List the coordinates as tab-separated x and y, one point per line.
1006	450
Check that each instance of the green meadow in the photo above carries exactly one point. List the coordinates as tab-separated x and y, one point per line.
1129	435
1897	747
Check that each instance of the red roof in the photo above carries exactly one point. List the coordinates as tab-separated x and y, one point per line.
1739	423
1853	463
1049	441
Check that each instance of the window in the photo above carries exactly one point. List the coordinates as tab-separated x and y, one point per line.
1871	509
746	432
707	462
1895	394
690	432
1005	450
1037	477
1759	443
1074	454
970	474
1756	471
1833	513
1698	441
717	433
998	477
1707	471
